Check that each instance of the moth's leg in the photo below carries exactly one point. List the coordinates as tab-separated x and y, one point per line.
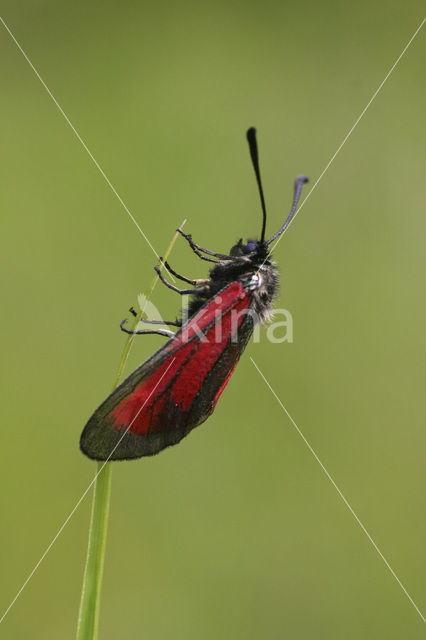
196	248
183	292
159	332
171	323
179	276
200	255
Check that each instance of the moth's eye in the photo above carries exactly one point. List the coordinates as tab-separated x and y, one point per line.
251	246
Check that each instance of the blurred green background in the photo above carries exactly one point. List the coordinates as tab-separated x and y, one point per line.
236	533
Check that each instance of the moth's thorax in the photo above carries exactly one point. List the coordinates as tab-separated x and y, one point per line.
262	284
258	276
253	269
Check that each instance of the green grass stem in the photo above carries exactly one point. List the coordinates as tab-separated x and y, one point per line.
88	617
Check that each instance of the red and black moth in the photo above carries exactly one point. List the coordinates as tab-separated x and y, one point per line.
178	387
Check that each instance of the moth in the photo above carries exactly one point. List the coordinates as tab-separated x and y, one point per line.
178	387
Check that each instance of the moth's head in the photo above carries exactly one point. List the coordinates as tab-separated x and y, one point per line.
251	247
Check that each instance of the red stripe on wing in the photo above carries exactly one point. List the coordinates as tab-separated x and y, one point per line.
193	359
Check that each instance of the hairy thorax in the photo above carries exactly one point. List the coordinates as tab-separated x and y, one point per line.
259	279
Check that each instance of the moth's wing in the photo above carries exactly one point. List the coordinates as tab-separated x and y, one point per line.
177	388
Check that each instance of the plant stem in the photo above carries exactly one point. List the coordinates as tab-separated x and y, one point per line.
88	616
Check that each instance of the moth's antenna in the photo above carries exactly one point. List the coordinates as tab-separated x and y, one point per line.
298	185
251	137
